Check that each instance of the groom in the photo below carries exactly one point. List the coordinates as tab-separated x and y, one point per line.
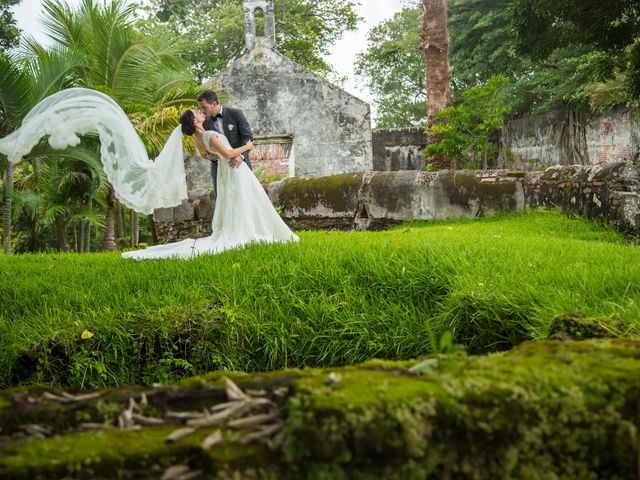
231	122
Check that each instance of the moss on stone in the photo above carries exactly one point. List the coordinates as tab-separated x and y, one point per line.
546	409
577	326
336	192
390	191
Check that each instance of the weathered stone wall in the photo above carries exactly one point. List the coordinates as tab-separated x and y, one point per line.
398	149
538	142
331	129
378	199
609	192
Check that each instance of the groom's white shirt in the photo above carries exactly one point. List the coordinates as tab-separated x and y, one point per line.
219	121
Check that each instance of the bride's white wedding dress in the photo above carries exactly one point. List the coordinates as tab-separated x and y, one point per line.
243	214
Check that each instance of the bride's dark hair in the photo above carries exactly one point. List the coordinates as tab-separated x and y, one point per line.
187	121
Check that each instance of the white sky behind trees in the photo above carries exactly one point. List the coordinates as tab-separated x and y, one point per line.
342	55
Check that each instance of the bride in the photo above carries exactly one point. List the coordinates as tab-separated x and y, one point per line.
243	212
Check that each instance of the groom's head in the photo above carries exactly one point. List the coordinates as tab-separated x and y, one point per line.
208	101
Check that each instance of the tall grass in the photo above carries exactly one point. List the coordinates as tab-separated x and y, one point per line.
335	298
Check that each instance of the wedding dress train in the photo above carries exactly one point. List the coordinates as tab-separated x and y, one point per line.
243	214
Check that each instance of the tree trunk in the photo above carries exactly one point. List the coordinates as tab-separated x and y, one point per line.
123	213
7	192
435	45
573	139
108	240
135	226
80	244
152	226
434	41
61	232
119	220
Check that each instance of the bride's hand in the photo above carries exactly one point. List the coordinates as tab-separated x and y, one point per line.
250	144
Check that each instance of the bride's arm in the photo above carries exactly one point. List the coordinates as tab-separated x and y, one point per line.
225	152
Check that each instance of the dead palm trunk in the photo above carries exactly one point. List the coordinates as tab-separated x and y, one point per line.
7	192
434	41
109	240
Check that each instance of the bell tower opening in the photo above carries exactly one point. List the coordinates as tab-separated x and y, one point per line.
259	24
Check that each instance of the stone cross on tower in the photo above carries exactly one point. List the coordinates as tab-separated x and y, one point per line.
265	8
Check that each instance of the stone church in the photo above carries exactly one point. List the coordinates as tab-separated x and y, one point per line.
304	126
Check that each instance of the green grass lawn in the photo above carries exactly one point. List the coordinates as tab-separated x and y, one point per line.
335	298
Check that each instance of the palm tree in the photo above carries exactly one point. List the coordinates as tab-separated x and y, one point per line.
23	83
96	46
144	74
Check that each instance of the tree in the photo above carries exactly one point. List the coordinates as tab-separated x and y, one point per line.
464	131
211	32
23	84
96	46
9	32
393	66
612	27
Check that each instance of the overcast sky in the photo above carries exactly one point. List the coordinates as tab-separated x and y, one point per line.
343	53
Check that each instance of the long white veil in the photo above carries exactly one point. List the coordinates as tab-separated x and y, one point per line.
140	183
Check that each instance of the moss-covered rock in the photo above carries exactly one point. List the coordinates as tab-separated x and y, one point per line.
337	194
577	326
552	410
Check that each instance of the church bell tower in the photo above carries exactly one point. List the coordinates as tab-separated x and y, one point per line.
254	9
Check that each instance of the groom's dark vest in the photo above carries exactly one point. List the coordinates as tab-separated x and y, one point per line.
235	127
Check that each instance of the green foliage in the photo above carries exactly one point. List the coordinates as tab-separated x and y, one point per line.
542	26
483	44
9	32
464	131
333	299
393	66
93	45
572	75
211	33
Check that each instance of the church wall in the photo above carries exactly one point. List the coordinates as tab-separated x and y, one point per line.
331	129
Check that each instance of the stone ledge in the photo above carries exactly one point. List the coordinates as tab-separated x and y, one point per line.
376	200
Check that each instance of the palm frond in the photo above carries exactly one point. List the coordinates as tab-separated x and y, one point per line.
51	211
27	203
62	25
15	94
54	69
605	94
95	219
